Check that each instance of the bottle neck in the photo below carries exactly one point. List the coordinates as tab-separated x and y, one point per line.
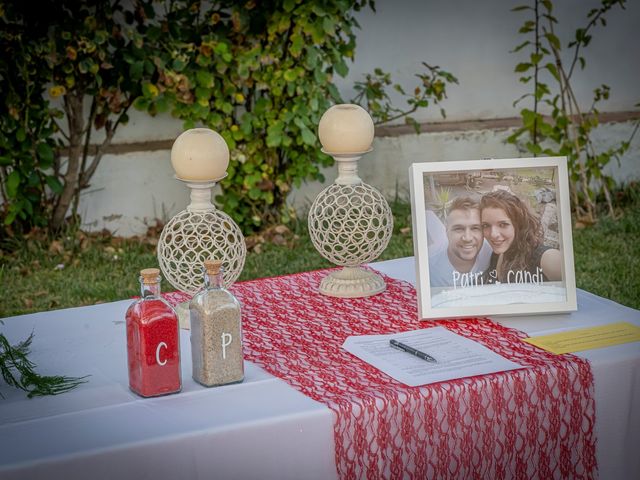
214	281
347	171
149	290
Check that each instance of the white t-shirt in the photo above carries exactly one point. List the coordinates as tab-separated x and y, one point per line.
441	270
436	232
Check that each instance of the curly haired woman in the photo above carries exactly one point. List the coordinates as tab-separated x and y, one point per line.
516	238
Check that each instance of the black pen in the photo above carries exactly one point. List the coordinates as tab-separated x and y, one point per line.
412	351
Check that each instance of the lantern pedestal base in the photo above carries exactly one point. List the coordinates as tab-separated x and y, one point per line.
352	282
182	309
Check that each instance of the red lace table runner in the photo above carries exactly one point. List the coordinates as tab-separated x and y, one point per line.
535	422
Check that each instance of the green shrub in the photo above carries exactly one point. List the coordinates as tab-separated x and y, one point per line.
26	131
74	52
261	74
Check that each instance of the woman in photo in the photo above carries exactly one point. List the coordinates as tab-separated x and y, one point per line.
515	235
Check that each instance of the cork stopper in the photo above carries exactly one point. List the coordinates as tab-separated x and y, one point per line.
212	266
150	275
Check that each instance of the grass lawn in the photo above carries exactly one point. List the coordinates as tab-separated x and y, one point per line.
83	270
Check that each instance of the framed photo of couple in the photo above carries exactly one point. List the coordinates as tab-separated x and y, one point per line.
492	237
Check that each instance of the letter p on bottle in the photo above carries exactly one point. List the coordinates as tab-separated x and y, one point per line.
226	341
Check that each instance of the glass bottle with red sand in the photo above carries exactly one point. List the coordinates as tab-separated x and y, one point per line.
153	341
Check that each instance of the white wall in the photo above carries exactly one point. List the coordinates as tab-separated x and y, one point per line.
129	192
471	39
386	168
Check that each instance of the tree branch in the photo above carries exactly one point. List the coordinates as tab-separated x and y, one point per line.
73	104
607	6
535	76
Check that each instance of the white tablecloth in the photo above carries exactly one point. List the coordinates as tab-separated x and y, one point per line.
261	428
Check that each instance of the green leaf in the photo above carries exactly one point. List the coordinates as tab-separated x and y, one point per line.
297	43
274	134
522	67
290	75
553	40
135	71
318	10
203	94
289	5
261	106
319	76
21	135
553	71
45	152
204	78
203	61
528	118
13	181
162	104
28	208
149	90
274	139
308	137
317	34
341	68
141	103
333	90
527	27
248	167
312	57
243	71
534	148
33	179
246	126
11	216
521	46
54	184
328	25
84	66
582	62
535	58
178	65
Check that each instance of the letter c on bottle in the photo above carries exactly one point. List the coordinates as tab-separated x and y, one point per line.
160	345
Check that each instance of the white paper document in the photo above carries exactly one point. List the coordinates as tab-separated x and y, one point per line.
455	356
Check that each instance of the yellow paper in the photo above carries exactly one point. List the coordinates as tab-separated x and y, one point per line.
587	338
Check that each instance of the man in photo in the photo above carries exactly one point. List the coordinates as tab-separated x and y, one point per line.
466	255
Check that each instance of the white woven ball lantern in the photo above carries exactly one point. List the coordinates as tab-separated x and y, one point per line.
350	222
200	158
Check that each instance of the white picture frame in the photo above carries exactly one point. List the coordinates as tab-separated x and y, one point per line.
509	280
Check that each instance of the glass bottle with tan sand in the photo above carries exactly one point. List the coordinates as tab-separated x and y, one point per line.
216	331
